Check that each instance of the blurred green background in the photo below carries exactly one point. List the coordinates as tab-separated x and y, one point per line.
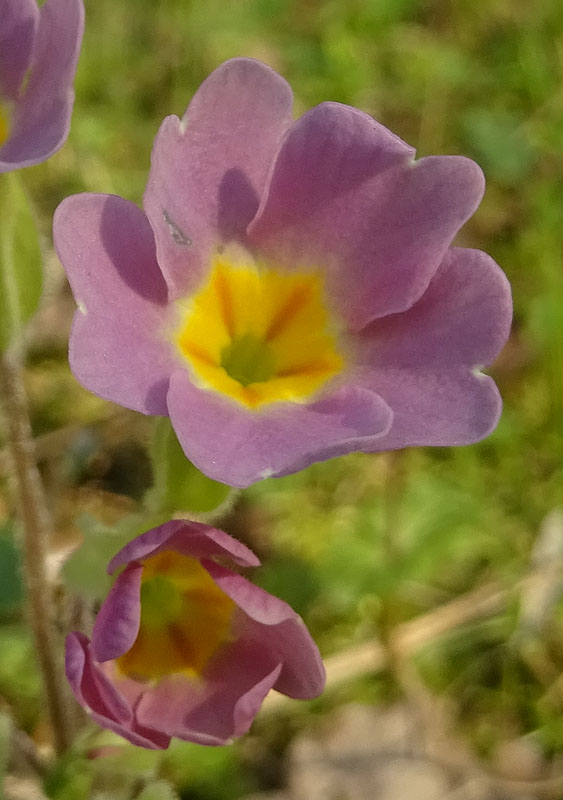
363	544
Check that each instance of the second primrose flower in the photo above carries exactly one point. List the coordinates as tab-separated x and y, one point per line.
290	292
185	647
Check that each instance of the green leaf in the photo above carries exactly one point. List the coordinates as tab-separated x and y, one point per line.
162	790
179	485
11	583
21	274
85	570
5	731
216	773
70	778
20	682
500	141
291	579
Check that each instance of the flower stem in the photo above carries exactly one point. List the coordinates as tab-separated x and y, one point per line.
37	527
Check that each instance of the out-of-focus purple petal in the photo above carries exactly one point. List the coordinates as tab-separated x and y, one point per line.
106	705
18	23
281	631
137	735
208	170
107	246
349	199
89	684
303	675
463	318
259	605
146	544
42	114
117	622
208	712
193	539
239	447
248	704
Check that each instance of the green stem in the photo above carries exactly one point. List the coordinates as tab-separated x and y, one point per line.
37	528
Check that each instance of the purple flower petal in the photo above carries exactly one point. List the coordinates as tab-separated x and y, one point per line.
208	169
108	248
423	361
130	367
219	708
137	735
248	704
259	605
42	114
19	20
463	319
193	539
89	684
237	446
346	196
117	623
434	408
280	630
104	702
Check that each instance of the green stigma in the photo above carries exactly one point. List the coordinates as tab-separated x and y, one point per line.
248	360
161	602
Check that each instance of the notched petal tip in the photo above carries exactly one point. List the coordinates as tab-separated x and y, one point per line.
491	408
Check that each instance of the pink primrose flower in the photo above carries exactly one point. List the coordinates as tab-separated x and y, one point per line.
39	50
183	646
290	292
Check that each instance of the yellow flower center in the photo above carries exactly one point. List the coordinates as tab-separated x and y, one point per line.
185	618
4	124
258	335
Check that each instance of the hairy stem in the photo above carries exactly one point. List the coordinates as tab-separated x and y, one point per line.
37	527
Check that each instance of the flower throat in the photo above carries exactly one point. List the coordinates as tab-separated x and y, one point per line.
259	335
